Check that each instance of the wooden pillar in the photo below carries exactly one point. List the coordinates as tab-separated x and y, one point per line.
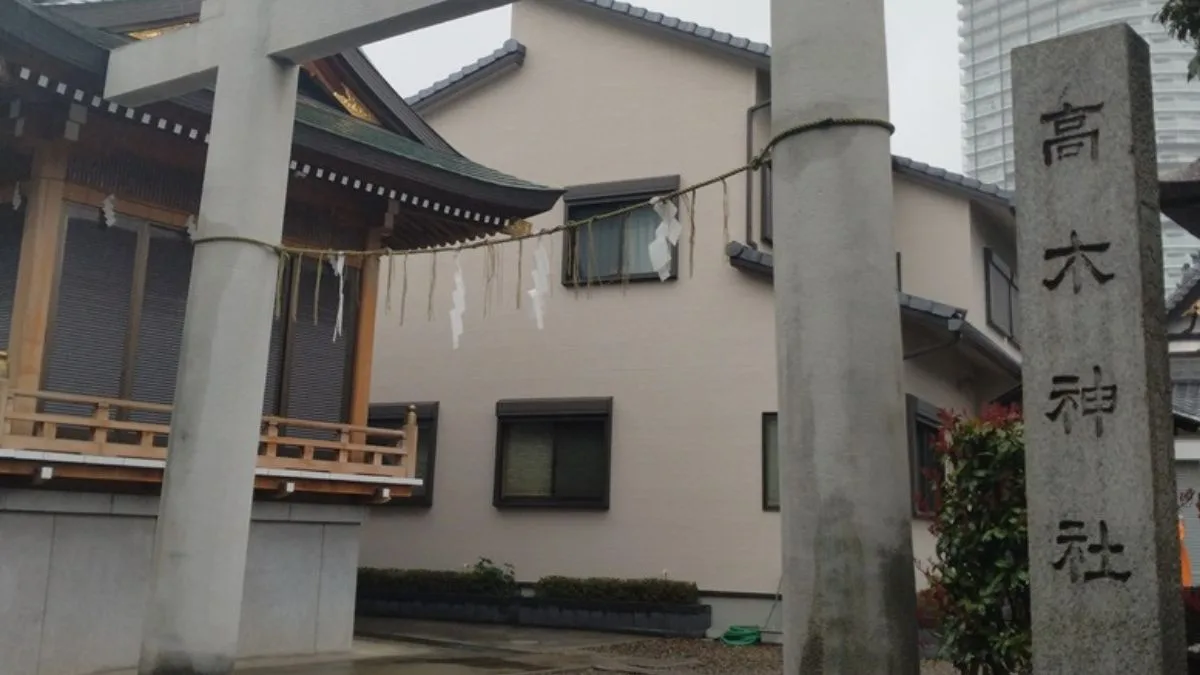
364	337
38	268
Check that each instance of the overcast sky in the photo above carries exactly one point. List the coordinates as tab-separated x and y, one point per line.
922	37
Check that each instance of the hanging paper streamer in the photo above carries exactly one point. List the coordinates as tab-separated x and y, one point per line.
190	225
109	208
458	298
541	284
665	236
16	197
669	213
339	269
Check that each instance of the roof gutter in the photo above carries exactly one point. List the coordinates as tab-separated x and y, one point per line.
955	327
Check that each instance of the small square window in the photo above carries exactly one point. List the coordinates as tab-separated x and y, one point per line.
393	416
553	453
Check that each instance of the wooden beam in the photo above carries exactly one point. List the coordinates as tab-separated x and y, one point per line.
364	492
364	337
37	271
81	194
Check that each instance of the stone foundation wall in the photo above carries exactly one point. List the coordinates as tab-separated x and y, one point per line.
75	573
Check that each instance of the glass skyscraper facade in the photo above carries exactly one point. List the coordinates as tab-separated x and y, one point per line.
990	29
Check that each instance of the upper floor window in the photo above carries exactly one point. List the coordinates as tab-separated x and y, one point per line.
616	248
553	453
395	416
1003	297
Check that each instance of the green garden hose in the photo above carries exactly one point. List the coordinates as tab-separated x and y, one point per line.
742	636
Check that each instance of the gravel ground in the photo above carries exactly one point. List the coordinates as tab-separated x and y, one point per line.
705	657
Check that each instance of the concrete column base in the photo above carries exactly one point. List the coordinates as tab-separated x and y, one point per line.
75	582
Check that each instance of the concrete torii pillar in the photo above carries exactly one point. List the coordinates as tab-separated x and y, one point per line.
849	604
251	50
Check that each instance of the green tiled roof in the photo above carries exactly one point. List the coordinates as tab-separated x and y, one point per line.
335	122
308	113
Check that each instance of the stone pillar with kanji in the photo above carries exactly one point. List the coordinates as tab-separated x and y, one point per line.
1104	548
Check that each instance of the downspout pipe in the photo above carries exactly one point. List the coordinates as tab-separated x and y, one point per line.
750	174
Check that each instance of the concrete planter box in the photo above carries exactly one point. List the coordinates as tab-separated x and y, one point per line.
617	617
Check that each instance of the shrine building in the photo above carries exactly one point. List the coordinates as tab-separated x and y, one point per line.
98	204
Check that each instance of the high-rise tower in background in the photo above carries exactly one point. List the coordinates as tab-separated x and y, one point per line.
990	29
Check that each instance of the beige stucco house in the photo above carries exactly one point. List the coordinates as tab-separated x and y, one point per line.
633	436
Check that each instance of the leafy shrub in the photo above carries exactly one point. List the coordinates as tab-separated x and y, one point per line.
485	578
981	573
929	608
651	591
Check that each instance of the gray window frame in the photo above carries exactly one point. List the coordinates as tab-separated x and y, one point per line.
992	261
617	194
517	411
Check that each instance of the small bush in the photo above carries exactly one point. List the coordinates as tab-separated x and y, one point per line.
981	574
650	591
483	579
929	608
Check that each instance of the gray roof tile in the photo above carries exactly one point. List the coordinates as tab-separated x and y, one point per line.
1187	284
760	262
765	262
675	24
951	179
512	52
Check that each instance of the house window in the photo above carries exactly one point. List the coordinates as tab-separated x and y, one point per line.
1003	297
923	430
617	248
770	461
553	453
394	416
768	224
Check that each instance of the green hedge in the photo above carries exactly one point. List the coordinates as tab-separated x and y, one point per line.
490	581
651	591
436	582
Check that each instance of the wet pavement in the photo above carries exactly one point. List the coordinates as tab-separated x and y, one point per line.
400	647
523	639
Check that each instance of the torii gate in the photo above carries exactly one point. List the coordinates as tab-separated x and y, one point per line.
251	50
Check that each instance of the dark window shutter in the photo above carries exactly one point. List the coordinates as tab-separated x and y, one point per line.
160	333
11	229
87	340
271	390
318	364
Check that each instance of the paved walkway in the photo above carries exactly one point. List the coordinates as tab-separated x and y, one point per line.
521	639
401	647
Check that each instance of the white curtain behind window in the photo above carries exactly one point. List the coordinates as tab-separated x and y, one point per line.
529	460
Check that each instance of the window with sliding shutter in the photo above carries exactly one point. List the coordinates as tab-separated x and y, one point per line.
318	364
160	327
90	325
553	453
11	227
271	390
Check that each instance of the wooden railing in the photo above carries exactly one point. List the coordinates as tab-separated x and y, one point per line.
91	426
